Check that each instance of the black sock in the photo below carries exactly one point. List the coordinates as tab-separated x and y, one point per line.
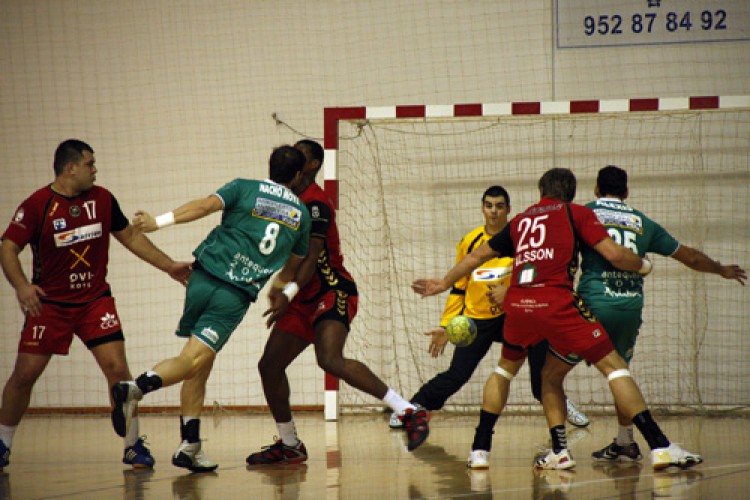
559	440
191	431
484	431
650	430
148	383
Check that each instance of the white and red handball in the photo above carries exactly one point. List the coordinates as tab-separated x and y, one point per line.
461	330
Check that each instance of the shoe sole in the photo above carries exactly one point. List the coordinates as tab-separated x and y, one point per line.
682	465
292	461
478	467
119	418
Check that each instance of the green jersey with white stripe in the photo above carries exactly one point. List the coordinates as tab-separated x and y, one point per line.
262	224
601	284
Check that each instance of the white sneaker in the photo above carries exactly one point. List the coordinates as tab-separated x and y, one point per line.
190	456
478	459
575	416
548	459
395	421
662	458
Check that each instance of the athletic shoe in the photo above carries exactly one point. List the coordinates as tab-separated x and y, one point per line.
661	458
575	416
616	453
4	455
395	421
278	453
126	396
138	455
417	429
191	456
548	459
478	459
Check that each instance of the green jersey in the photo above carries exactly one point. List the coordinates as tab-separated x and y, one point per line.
601	284
262	224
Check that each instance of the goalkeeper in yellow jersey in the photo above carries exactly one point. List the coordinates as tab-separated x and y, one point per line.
469	297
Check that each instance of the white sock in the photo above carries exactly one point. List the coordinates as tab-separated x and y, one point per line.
288	433
6	434
396	402
625	435
133	433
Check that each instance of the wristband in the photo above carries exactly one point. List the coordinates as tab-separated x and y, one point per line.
164	220
278	284
646	267
290	290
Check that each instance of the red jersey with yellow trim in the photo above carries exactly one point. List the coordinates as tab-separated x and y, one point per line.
330	273
69	238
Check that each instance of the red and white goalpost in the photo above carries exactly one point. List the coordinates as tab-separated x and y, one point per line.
407	182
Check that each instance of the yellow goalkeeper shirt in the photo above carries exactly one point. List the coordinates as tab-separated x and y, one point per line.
469	295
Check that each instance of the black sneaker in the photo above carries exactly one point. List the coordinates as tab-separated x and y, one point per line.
278	453
616	453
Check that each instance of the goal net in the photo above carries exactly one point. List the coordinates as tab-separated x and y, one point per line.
410	188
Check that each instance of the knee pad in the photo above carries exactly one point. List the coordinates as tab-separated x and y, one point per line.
622	372
504	373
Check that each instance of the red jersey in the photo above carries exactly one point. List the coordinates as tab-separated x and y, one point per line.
330	273
69	238
544	241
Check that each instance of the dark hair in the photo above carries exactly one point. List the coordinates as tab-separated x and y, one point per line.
495	191
612	180
69	151
314	148
284	163
558	184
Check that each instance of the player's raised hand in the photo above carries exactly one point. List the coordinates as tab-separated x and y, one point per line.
734	272
438	342
144	222
428	287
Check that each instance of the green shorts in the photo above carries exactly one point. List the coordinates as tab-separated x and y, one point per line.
213	310
622	325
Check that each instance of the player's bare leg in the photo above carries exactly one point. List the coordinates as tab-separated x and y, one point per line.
629	399
496	391
555	410
330	337
16	398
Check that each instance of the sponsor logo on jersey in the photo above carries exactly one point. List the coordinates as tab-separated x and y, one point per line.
283	213
83	233
19	215
620	219
279	191
59	224
108	321
210	334
492	274
75	210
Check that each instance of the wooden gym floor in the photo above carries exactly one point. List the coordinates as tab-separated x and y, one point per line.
359	457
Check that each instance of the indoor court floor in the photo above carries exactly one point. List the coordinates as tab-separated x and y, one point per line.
359	457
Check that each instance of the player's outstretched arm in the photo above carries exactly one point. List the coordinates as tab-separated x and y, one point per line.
434	286
621	257
139	244
190	211
699	261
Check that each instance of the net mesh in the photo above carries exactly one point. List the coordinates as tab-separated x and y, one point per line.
411	188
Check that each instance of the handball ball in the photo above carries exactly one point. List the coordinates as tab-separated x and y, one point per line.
461	330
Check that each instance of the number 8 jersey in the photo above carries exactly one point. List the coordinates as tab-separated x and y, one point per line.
262	224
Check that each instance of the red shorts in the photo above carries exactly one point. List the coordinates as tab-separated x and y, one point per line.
558	315
300	319
52	331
